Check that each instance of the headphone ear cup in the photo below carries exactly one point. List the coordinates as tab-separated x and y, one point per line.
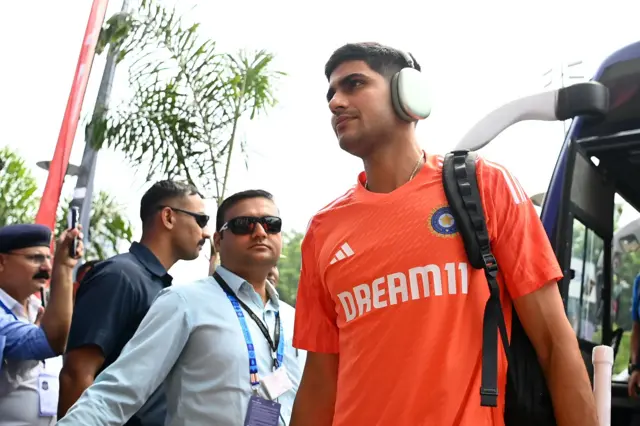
410	95
395	97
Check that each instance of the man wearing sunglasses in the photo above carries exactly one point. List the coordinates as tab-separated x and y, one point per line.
116	293
221	345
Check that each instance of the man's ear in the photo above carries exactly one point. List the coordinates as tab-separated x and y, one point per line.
167	218
214	260
215	247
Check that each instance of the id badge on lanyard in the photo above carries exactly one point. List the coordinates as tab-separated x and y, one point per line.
48	388
261	411
48	384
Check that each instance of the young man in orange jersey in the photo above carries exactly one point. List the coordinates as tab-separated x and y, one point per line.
388	306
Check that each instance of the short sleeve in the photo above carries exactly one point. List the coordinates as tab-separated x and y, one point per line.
105	307
520	244
22	341
315	327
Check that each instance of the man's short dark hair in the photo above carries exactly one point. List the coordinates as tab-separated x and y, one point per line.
384	60
160	193
235	199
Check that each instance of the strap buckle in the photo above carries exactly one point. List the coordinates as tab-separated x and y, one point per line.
488	397
490	264
491	272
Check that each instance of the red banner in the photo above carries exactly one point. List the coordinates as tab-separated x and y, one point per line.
58	167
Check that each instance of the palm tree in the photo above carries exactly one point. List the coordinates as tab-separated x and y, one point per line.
109	227
18	203
187	98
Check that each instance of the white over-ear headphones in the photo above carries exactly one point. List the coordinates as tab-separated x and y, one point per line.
410	93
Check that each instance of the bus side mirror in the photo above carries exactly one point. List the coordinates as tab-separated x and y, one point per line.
588	98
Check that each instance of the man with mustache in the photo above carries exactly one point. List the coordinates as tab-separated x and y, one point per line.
221	345
27	336
116	293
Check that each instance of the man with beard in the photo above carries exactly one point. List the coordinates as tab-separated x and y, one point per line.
28	391
221	345
117	293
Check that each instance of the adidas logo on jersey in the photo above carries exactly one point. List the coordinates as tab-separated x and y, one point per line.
344	252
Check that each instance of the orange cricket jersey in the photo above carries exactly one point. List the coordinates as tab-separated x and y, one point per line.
386	284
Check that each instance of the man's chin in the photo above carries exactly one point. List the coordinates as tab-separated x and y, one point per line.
264	259
37	285
191	256
351	144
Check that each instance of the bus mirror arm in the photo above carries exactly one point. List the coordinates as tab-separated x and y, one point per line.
589	98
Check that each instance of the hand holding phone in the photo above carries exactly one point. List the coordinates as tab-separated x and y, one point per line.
74	218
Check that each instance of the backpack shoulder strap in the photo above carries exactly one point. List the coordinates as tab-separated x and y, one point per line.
463	194
461	189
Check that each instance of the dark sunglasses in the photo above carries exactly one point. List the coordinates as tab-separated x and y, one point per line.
201	219
245	225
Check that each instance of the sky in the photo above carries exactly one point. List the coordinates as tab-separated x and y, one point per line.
477	56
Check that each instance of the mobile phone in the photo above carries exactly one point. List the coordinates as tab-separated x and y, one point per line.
42	297
74	218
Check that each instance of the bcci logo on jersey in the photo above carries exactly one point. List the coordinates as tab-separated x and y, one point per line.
442	222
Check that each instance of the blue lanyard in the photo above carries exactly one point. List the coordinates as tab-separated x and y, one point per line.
8	311
238	306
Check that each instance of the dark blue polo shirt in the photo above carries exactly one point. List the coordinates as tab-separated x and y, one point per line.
112	300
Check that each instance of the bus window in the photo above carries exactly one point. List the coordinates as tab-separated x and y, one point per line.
625	267
583	295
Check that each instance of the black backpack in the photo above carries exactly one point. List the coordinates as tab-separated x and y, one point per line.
527	400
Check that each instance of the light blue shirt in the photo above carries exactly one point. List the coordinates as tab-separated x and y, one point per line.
21	341
192	341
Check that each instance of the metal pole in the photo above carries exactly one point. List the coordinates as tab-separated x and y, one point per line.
83	193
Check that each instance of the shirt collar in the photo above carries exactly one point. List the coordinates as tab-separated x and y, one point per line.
8	301
14	306
149	260
235	282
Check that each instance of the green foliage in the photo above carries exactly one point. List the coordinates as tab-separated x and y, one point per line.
187	98
624	273
109	226
18	203
290	266
622	359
